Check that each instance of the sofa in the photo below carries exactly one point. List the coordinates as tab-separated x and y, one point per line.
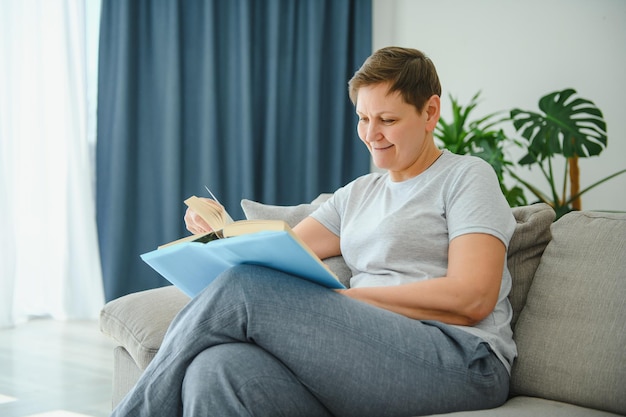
568	298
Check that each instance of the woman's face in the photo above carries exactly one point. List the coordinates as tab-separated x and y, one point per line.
397	135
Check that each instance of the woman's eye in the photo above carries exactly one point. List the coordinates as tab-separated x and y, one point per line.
387	121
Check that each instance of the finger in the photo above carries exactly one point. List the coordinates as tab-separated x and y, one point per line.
196	224
191	222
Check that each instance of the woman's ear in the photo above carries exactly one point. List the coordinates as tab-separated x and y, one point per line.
433	111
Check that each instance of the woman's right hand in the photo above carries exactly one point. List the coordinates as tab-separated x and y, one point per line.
196	224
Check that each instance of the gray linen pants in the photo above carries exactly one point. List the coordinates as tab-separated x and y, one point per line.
258	342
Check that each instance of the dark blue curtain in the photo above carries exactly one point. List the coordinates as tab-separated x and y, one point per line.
248	97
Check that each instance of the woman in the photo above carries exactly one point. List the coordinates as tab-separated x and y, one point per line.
424	327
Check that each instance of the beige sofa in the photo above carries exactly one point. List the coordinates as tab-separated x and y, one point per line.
568	297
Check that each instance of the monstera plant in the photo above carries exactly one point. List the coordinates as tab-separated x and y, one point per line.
480	137
569	127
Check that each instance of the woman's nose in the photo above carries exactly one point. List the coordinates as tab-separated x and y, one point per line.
372	133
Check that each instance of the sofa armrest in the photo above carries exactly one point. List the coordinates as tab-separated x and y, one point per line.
138	321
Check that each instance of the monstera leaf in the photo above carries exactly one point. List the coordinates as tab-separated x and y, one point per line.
570	126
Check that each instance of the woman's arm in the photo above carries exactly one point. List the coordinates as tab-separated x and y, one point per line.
322	241
465	296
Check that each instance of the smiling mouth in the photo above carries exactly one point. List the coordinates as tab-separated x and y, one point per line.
384	148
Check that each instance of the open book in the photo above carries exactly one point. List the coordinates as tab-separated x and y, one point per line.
195	261
221	223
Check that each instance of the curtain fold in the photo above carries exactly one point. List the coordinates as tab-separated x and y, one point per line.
247	97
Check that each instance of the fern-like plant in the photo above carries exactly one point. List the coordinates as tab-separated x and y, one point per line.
482	138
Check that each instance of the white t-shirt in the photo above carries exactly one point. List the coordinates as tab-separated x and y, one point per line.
399	232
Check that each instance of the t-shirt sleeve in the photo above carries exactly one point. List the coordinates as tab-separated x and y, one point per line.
472	206
330	212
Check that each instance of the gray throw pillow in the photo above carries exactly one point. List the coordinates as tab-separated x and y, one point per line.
570	335
532	234
290	214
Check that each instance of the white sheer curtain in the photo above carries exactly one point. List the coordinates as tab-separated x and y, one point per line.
49	262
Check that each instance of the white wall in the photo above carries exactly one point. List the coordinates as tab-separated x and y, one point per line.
517	51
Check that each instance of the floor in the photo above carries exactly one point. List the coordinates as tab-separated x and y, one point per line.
55	369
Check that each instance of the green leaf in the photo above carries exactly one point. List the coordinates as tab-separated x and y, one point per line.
481	137
569	126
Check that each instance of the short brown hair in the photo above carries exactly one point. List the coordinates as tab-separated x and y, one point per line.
409	71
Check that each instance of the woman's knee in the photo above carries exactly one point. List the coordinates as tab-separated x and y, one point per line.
239	276
231	365
252	282
243	379
210	382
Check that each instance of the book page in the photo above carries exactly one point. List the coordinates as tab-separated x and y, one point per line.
243	227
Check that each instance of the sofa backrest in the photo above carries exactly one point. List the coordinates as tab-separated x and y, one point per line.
571	333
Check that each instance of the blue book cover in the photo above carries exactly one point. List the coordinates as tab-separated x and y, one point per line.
192	266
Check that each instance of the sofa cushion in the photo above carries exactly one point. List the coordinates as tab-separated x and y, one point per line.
570	334
532	234
139	321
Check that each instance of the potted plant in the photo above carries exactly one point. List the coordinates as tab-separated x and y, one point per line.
481	138
567	126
